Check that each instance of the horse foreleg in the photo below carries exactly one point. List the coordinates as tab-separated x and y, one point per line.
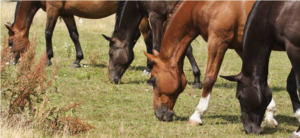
147	34
196	71
50	25
71	25
156	24
216	50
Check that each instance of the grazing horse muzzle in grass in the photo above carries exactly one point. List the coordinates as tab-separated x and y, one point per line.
168	82
253	102
270	26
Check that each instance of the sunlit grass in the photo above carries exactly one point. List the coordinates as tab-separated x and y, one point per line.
126	110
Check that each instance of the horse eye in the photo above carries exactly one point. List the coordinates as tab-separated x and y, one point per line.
10	44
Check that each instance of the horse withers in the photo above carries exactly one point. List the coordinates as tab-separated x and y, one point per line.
270	25
221	24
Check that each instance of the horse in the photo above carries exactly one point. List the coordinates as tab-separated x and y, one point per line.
25	11
124	37
270	25
221	24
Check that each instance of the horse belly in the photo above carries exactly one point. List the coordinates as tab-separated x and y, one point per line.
91	9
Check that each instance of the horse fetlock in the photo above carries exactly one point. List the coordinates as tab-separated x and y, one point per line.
197	85
297	115
195	119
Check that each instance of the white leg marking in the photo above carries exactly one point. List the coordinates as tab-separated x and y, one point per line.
297	133
297	115
269	119
201	109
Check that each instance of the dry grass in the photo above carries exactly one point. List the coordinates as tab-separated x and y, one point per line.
126	110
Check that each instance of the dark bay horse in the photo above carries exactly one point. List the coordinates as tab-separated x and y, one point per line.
124	37
270	25
221	24
25	11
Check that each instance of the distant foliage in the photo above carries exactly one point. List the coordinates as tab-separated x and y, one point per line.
25	87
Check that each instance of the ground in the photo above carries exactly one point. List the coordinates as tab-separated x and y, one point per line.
126	110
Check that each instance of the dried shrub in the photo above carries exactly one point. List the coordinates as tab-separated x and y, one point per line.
27	90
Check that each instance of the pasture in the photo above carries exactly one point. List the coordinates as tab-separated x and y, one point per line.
126	110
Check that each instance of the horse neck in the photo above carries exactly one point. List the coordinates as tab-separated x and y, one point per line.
257	47
25	11
129	22
178	36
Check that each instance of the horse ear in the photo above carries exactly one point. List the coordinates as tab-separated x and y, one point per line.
155	52
231	78
106	37
9	27
151	57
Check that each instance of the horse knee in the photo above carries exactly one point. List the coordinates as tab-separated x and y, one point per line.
209	81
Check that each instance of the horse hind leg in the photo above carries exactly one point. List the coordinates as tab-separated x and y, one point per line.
71	25
147	35
293	81
196	71
50	25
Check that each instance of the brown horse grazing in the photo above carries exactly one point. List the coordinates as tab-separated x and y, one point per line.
25	11
221	24
270	25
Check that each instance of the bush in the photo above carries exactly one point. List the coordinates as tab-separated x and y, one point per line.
25	88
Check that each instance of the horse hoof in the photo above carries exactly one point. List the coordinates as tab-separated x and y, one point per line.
145	72
49	63
270	123
197	85
194	123
75	66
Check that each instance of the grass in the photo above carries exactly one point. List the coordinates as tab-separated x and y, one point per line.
126	110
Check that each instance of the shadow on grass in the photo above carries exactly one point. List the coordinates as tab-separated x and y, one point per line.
140	68
284	120
278	89
98	65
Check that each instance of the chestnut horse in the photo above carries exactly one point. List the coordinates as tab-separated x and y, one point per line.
270	25
25	11
123	39
221	24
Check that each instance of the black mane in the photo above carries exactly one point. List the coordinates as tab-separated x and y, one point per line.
119	13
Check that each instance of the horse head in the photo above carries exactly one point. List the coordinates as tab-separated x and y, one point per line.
254	97
16	41
168	81
120	57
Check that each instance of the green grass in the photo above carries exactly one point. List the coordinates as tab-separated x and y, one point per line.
126	110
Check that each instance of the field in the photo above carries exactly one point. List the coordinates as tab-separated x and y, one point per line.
126	110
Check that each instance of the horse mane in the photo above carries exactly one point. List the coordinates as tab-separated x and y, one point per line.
119	13
171	15
16	11
246	28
